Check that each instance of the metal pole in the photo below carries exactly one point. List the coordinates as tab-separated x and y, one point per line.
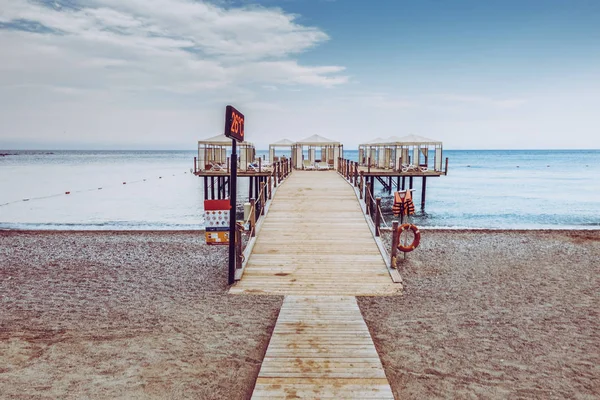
232	210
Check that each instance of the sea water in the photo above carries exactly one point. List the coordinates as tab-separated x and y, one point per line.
155	190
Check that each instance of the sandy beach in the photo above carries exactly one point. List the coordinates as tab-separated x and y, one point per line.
146	315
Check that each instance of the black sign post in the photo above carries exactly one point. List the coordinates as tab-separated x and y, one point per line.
234	129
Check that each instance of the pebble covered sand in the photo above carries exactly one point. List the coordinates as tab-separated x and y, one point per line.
146	315
493	314
125	315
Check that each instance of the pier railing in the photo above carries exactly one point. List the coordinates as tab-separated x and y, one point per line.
371	205
246	231
349	170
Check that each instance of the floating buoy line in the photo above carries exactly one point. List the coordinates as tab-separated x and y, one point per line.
68	192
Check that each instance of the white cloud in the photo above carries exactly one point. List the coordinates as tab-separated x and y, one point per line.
175	45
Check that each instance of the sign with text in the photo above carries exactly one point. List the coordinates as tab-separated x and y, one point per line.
216	220
234	124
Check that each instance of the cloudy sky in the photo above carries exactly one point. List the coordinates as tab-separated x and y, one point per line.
157	74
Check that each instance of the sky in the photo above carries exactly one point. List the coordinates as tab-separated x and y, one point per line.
158	74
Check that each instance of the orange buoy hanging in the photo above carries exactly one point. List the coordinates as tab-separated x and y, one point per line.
416	238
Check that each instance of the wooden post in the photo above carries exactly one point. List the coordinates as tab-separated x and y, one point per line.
446	172
205	188
219	187
256	187
238	247
252	217
228	165
369	165
395	241
269	183
372	190
377	216
423	190
212	187
250	187
262	198
403	182
195	165
410	182
274	175
397	183
361	185
279	171
390	185
259	164
367	202
355	174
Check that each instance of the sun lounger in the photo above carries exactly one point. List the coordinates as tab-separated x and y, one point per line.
216	167
409	168
307	165
322	166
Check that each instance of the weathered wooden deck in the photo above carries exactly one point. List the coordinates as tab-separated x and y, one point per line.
321	348
316	248
315	241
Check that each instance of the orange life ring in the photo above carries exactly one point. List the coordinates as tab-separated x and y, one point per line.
417	237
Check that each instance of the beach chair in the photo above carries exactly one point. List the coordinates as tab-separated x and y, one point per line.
308	165
409	168
216	167
322	166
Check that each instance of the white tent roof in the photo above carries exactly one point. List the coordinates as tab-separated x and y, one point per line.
282	143
317	140
221	140
413	140
375	141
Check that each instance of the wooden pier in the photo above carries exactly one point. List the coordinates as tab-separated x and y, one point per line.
315	246
216	182
321	348
316	241
389	178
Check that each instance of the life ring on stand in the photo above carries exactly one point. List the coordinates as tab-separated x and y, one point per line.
416	234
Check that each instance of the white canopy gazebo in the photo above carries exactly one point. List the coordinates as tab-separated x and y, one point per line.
369	150
330	150
281	143
213	153
415	150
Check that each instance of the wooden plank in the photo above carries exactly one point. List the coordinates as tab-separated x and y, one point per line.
321	348
315	240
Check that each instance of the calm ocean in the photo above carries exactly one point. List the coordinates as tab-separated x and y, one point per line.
483	189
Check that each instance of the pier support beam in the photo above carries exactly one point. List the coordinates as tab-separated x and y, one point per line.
423	192
250	187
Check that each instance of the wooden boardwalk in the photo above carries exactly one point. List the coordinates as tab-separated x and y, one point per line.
321	348
315	241
316	248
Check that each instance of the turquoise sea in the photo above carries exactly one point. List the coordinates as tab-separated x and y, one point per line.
154	190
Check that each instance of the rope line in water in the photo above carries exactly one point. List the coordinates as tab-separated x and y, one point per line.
68	193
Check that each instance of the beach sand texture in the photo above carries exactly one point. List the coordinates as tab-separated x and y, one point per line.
146	315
